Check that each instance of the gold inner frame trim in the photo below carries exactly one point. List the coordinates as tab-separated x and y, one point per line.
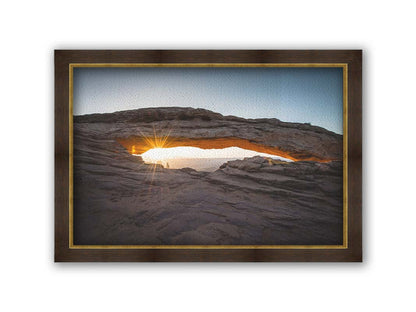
344	66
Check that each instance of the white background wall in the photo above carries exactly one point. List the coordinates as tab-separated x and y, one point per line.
29	279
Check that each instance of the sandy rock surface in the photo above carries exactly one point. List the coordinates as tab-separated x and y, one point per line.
118	199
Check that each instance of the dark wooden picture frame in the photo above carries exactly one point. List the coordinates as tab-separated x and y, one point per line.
351	249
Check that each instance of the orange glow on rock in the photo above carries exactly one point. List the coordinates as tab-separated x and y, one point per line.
139	145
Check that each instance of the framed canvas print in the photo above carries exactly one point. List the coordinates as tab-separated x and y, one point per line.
208	155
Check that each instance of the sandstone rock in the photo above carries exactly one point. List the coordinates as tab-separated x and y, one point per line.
118	199
198	127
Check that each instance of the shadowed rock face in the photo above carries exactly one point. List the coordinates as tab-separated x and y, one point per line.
120	200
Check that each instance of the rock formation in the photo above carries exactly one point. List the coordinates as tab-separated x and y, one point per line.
118	199
202	128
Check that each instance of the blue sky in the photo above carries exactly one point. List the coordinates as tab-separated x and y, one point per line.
312	95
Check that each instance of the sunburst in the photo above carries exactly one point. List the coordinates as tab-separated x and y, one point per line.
160	138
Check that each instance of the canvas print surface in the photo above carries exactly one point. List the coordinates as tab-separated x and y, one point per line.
207	156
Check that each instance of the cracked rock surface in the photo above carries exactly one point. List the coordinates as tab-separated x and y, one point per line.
118	199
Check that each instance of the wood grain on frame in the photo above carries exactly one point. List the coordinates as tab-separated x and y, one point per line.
63	148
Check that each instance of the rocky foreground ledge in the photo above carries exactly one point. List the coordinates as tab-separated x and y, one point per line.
256	201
